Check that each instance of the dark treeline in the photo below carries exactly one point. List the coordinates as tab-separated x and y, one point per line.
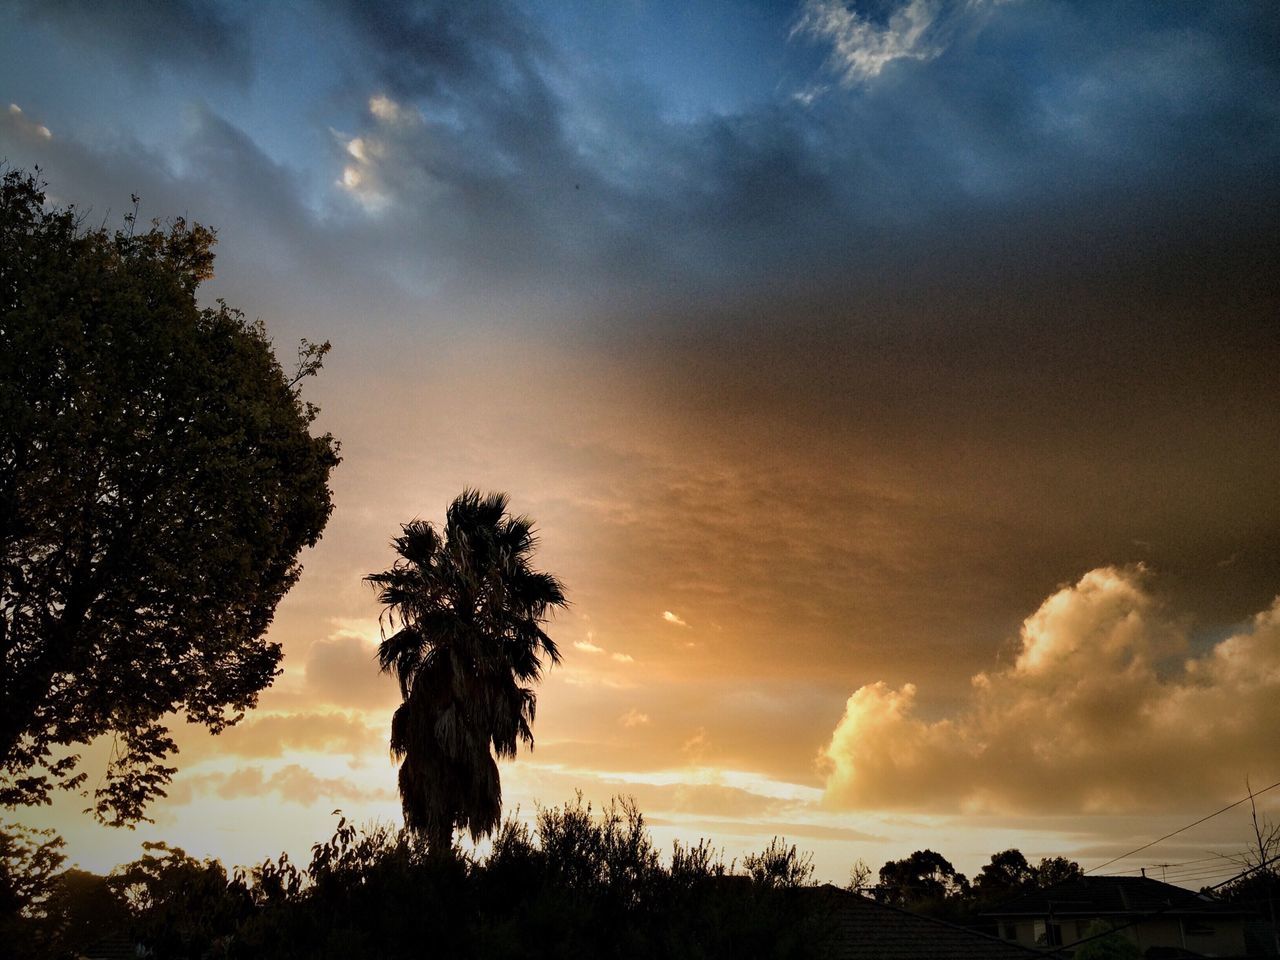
576	884
927	883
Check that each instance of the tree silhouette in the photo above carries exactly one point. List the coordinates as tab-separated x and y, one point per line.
1008	872
467	611
924	878
158	480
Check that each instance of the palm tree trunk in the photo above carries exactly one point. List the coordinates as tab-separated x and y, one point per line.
440	841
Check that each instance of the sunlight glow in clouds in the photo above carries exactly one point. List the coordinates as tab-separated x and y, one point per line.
28	126
1102	710
362	178
670	617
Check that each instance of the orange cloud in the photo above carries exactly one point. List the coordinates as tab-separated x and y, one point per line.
342	671
293	783
1101	711
271	735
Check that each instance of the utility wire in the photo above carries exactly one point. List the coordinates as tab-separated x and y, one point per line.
1202	870
1230	806
1172	868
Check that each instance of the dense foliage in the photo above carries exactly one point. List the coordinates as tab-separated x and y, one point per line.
466	609
158	480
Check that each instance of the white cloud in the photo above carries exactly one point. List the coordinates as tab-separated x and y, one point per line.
586	646
860	48
633	718
670	617
624	657
1101	710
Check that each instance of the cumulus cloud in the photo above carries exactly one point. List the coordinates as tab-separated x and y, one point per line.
670	617
586	646
1104	708
623	657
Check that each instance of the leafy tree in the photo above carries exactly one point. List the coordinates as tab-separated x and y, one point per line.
1007	873
925	879
1051	871
469	609
158	480
180	906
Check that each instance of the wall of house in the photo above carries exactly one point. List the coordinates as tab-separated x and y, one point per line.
1216	938
1213	938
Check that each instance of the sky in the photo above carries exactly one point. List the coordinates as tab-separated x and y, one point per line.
894	386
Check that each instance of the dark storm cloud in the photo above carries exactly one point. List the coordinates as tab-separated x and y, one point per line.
1034	144
441	49
143	34
1039	136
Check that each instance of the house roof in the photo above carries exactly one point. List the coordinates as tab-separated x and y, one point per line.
1113	897
858	928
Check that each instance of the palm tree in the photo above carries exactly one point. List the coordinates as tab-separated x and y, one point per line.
466	611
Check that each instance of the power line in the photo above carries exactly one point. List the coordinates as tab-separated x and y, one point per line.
1172	868
1230	806
1190	894
1183	863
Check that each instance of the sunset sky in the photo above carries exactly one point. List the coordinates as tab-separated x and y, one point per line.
895	385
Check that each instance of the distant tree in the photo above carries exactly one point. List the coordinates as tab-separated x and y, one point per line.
81	909
467	611
158	480
780	866
180	906
859	877
1007	873
1051	871
925	878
